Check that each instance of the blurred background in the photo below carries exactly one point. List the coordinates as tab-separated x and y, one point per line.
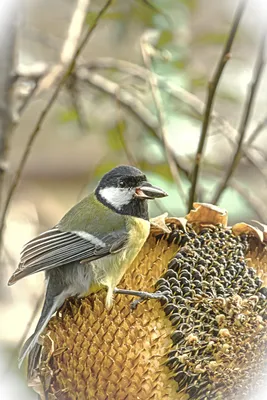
89	130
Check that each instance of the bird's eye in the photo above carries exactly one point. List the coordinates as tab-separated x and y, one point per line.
122	184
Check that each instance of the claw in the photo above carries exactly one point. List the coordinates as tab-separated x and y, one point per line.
143	296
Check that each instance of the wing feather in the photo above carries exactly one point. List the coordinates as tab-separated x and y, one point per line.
30	252
55	248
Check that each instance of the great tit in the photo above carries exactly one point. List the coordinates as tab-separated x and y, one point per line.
93	244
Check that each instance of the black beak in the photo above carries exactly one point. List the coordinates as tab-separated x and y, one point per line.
148	191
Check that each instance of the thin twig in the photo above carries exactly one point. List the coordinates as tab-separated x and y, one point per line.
32	75
31	72
24	104
45	77
258	129
76	104
120	120
69	47
190	100
254	201
159	11
248	107
171	159
130	157
134	105
44	113
75	31
210	98
197	106
218	123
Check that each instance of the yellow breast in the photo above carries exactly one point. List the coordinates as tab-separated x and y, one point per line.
117	264
138	232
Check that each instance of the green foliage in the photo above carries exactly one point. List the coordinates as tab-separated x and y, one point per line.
198	82
112	16
68	115
165	38
104	167
190	4
178	64
211	38
114	138
160	169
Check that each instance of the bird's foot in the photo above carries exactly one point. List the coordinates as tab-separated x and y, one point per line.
142	296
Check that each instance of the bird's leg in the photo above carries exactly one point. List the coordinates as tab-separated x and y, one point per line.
143	296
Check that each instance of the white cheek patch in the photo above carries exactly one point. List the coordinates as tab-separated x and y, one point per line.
117	197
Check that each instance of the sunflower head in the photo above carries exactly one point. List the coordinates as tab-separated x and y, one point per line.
207	340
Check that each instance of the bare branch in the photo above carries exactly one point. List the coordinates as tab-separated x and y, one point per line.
197	106
253	136
43	76
217	122
254	201
23	104
190	100
76	103
30	75
210	98
130	157
53	96
69	46
179	93
128	101
75	31
145	49
159	11
120	123
248	107
31	72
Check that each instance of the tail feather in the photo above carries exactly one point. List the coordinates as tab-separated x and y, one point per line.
27	347
33	360
50	307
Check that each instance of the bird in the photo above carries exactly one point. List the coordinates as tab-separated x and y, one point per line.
92	246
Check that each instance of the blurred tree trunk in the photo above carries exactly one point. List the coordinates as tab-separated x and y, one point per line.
8	22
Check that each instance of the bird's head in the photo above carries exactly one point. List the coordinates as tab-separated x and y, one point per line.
125	190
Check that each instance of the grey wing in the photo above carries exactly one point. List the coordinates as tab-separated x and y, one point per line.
54	248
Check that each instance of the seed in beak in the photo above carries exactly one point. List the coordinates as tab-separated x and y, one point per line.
139	193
